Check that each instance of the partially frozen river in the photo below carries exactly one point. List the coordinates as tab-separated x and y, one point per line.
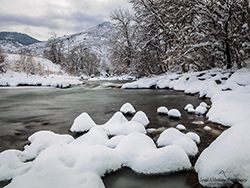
24	111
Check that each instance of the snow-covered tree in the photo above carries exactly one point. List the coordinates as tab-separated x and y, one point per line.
126	54
195	34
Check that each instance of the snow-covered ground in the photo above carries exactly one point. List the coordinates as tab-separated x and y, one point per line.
14	79
53	75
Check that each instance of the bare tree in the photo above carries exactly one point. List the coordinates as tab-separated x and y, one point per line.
122	50
2	60
55	52
127	56
81	61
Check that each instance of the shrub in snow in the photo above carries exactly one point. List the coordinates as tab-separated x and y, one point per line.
200	110
162	110
188	106
141	117
141	155
207	128
174	113
173	136
127	108
181	127
227	158
82	123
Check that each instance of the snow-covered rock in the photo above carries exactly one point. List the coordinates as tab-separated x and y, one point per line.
226	160
195	137
127	108
207	128
126	128
162	110
11	165
41	140
96	136
188	106
181	127
173	136
116	119
114	141
203	104
141	117
174	113
82	123
200	110
141	155
142	83
191	110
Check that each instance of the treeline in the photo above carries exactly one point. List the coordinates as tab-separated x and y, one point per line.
181	35
76	61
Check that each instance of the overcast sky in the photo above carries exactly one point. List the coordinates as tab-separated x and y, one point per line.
43	19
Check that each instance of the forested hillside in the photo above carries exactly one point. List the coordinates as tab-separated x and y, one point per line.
182	35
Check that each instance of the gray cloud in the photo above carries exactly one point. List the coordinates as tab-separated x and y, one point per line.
43	19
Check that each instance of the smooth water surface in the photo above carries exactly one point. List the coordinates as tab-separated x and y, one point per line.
23	111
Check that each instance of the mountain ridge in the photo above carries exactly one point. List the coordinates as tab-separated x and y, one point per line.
16	37
95	38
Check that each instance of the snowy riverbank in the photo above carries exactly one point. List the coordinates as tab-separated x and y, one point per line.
12	79
229	92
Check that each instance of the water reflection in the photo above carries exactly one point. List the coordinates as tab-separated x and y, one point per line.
126	178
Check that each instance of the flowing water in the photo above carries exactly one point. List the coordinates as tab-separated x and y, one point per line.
24	111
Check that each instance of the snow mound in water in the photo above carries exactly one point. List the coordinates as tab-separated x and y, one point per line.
172	136
200	110
141	117
181	127
188	106
41	140
82	123
83	161
141	155
174	113
127	108
162	110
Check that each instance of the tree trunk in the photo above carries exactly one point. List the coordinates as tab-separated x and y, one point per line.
228	54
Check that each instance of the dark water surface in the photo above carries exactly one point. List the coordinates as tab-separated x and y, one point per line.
23	111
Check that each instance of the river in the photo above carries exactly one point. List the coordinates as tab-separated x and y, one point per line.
24	111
